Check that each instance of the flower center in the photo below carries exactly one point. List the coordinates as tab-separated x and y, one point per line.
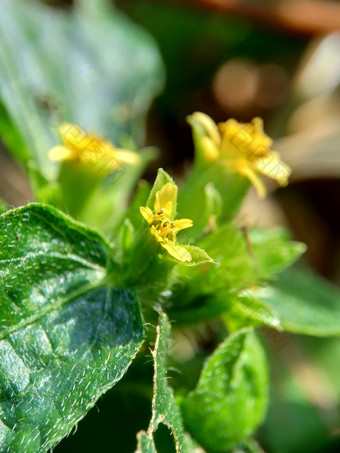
165	229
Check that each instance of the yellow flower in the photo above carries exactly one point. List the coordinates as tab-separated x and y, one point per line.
93	150
161	224
243	147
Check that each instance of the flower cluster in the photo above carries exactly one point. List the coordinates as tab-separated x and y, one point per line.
163	228
235	147
244	148
89	149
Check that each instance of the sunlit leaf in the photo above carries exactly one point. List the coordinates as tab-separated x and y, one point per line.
66	334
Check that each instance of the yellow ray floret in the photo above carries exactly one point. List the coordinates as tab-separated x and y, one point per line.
90	149
162	227
244	148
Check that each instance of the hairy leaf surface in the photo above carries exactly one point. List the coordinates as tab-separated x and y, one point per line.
66	335
230	399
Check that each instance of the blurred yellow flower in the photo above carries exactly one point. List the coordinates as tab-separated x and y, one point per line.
93	150
162	227
243	147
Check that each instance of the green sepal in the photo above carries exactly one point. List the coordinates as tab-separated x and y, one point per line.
127	232
205	214
198	133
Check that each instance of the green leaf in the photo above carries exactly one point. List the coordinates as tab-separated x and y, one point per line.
164	408
96	69
274	250
45	255
230	399
66	335
299	301
294	408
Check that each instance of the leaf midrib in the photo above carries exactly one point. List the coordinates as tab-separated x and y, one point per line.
48	308
22	260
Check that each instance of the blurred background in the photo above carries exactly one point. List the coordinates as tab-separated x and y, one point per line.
278	59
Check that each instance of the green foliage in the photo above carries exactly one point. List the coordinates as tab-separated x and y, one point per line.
246	259
298	302
71	296
66	334
71	323
230	399
273	250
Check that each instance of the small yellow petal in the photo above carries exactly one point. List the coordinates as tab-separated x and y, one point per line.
176	251
94	149
168	209
61	154
168	193
209	125
147	214
127	157
181	224
246	170
255	128
156	233
99	156
246	140
234	140
274	168
74	136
